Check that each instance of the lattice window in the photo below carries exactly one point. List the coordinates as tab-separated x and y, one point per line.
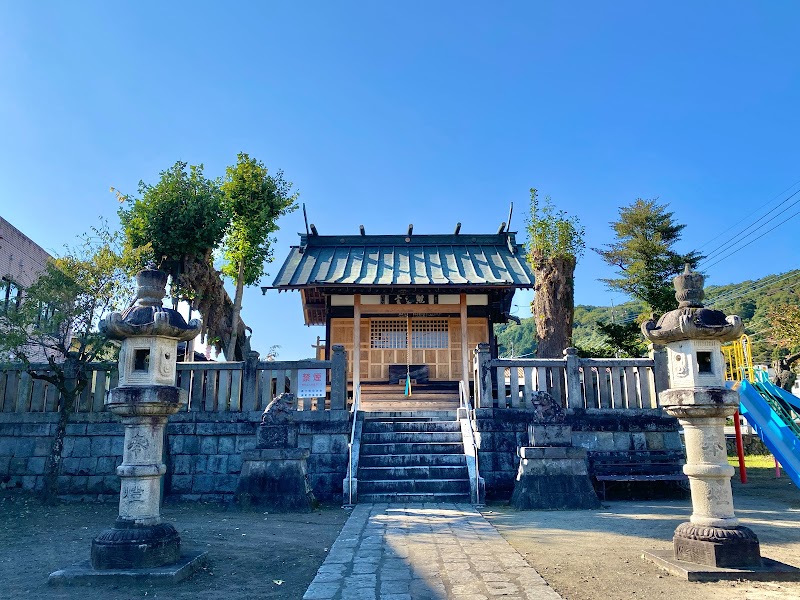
429	333
388	333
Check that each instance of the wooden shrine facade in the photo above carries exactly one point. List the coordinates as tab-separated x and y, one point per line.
416	302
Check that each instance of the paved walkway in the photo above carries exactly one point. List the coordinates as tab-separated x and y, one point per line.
424	552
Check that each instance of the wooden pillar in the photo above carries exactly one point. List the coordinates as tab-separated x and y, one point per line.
464	344
356	341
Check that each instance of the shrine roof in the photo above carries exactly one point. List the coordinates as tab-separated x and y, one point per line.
454	260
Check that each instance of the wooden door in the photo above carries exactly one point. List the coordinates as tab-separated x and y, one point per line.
427	337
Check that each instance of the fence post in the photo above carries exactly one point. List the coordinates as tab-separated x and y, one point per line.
660	369
338	378
574	390
483	377
250	381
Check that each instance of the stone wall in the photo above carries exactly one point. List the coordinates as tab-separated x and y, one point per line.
751	443
203	453
502	431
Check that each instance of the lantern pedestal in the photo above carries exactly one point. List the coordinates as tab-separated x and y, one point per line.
139	542
712	545
139	539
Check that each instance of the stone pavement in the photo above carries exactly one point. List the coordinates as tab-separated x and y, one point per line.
424	552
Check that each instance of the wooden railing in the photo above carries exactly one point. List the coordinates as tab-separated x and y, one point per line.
211	386
22	393
577	383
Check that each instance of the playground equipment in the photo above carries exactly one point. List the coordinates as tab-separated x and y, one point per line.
739	360
739	367
775	415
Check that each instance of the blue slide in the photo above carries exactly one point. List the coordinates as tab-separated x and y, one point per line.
772	413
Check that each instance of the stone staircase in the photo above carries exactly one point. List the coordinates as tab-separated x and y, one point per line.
412	459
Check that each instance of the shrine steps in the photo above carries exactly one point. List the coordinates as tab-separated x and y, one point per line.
412	459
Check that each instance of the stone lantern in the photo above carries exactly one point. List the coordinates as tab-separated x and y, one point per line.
697	396
146	396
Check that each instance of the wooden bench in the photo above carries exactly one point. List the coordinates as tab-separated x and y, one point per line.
636	466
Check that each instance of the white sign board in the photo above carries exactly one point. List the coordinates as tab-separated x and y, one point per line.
311	383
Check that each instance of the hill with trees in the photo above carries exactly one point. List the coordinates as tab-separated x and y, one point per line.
752	300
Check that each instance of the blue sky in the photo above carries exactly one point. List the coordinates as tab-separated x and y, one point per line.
386	114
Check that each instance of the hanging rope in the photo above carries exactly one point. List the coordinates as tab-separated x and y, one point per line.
409	337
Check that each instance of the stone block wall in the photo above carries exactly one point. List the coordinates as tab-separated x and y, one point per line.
203	453
502	431
326	434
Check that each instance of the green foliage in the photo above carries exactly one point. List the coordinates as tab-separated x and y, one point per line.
57	321
762	304
624	340
254	200
753	300
182	215
61	310
517	339
186	220
785	320
551	233
644	256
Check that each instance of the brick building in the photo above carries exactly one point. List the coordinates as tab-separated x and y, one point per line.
21	262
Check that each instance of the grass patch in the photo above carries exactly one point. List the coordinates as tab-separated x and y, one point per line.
754	461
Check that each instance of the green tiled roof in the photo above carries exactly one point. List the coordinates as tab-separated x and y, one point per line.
462	260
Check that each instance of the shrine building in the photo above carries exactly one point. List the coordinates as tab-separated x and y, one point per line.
405	305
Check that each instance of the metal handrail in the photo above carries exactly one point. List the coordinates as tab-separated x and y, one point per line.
467	406
354	410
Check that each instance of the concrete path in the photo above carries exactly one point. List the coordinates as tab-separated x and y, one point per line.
424	552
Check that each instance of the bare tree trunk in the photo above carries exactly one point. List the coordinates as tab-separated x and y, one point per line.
553	305
215	305
237	309
70	388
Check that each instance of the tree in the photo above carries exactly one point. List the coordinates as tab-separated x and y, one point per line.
555	243
178	223
623	339
785	321
643	254
57	322
785	325
254	201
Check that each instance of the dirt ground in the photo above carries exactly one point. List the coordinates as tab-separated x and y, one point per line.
589	555
252	554
584	555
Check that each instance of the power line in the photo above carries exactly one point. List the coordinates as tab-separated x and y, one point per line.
727	256
754	287
740	237
775	197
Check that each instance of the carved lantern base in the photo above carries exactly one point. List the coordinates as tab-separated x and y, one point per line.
735	548
131	546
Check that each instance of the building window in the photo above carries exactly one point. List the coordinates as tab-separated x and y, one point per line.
44	320
388	333
429	333
393	334
10	296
